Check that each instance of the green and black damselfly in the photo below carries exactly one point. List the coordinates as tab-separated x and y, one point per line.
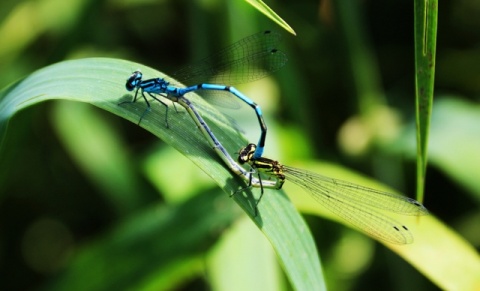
358	205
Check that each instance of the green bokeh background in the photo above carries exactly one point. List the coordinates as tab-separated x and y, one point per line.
345	96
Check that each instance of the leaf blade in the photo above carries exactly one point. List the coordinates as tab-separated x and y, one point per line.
101	82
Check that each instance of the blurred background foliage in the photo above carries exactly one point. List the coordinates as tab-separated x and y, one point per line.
346	96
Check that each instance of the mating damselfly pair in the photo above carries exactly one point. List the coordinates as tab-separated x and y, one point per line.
247	60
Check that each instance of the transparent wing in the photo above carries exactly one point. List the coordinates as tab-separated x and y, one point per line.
360	205
247	60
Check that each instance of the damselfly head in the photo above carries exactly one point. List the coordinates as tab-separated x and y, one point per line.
246	154
133	80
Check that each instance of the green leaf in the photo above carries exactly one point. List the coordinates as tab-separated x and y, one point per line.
101	82
425	49
267	11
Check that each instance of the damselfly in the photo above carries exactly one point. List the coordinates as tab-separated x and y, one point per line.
246	60
360	206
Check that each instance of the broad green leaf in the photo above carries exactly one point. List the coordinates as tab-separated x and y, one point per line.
101	82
